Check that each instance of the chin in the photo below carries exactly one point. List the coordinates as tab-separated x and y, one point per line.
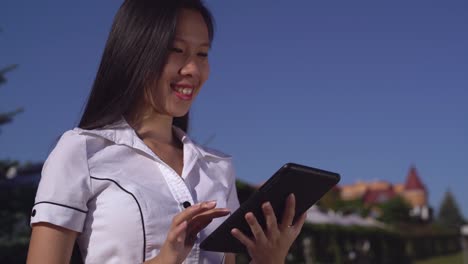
179	113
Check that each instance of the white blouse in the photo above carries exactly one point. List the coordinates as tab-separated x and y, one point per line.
109	186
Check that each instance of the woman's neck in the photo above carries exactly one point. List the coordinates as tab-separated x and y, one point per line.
155	128
156	132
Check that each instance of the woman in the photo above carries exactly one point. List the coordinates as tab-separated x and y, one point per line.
128	184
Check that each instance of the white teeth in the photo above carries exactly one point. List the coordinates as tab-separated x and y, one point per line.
185	91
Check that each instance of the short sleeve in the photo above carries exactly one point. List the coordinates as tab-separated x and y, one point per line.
232	200
64	188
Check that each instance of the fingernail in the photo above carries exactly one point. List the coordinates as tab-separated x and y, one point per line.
248	216
210	204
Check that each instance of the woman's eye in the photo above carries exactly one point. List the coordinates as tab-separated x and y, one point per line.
203	54
177	50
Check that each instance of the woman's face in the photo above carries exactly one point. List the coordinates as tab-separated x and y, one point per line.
187	66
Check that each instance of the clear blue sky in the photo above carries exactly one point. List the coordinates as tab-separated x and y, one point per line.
363	88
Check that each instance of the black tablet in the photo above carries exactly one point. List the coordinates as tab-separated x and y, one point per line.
308	185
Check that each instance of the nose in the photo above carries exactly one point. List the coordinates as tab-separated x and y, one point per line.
190	68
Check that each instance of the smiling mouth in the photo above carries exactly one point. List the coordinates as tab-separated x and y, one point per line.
183	92
186	91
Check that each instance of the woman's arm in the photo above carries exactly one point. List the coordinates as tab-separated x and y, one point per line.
50	244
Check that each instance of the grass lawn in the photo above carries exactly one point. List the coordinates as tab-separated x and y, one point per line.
450	259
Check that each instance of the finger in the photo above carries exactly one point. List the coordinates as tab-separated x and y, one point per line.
270	217
178	233
299	223
247	242
190	237
209	215
212	213
196	227
191	211
255	227
289	211
199	222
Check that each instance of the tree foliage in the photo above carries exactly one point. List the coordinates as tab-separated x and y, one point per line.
244	190
330	200
395	211
449	213
7	117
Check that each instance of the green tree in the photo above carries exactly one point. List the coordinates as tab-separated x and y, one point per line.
330	200
449	213
14	212
355	206
395	211
7	117
244	190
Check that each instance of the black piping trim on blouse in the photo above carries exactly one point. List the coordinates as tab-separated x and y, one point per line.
139	208
63	205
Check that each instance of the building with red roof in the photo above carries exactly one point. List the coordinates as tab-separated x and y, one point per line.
372	193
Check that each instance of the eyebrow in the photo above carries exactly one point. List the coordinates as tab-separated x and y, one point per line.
204	44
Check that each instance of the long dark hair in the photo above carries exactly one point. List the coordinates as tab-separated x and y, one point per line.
137	47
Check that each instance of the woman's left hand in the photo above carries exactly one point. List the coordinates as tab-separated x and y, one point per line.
272	245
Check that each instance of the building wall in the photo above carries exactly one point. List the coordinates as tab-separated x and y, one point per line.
415	197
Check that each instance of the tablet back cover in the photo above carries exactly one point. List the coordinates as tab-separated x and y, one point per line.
308	185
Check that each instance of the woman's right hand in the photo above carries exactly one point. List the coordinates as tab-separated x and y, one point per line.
271	245
184	229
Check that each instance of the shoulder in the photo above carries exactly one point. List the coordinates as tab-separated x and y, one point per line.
76	144
70	143
69	149
68	160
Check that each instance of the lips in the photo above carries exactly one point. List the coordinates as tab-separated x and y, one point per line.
183	91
